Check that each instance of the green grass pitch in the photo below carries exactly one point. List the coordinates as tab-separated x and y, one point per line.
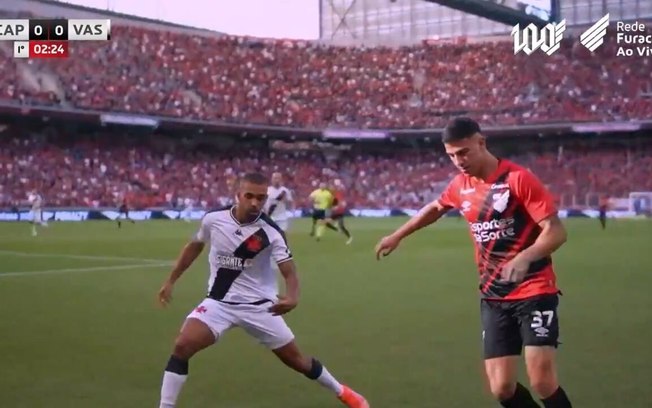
79	326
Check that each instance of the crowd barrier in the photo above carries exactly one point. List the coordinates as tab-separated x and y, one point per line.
84	214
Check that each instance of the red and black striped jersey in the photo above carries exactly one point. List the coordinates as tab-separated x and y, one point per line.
338	207
503	213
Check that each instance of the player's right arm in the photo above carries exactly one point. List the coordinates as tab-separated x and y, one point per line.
189	253
426	216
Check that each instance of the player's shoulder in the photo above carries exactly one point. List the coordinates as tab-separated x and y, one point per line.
271	226
459	180
517	173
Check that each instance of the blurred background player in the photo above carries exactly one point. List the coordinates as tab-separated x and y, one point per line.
339	209
279	202
123	210
36	200
603	207
186	214
322	201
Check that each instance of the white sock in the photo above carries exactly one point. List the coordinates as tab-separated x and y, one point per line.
328	381
172	384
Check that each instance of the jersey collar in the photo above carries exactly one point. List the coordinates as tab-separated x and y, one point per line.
500	169
238	222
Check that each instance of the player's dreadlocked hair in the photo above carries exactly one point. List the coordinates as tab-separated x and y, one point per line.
255	178
459	129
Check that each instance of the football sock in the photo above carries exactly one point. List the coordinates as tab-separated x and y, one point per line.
521	399
34	229
331	226
174	377
345	231
314	225
558	399
320	230
320	374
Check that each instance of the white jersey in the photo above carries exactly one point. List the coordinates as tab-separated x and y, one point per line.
277	200
36	201
188	203
241	256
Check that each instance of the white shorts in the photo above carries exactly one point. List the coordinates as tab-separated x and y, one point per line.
271	331
37	216
283	224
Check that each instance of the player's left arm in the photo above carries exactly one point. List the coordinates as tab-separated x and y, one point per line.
283	257
552	237
540	205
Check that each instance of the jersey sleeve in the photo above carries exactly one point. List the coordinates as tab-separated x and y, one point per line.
537	200
450	196
203	233
280	249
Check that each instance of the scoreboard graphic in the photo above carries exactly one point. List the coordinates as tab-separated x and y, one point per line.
50	38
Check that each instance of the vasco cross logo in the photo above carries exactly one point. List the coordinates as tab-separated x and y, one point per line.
548	39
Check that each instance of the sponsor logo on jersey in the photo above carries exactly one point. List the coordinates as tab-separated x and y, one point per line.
493	230
232	262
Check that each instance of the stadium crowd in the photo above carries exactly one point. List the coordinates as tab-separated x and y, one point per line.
96	172
305	84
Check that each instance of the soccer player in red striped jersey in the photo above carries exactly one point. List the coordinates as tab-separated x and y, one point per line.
514	225
339	209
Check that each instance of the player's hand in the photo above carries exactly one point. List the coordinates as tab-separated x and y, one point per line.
165	293
515	270
387	245
284	305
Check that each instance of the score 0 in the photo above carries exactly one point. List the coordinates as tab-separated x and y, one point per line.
48	30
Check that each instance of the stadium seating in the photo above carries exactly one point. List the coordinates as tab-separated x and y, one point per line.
93	172
304	84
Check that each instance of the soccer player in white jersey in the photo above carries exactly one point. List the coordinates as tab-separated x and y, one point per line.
279	202
36	200
187	209
242	292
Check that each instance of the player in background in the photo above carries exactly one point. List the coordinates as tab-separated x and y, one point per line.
339	209
123	210
243	291
322	201
514	224
279	202
603	207
36	201
186	214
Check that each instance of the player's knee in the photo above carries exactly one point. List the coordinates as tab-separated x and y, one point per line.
502	390
544	383
185	348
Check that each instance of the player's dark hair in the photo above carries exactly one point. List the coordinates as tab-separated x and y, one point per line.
459	129
255	178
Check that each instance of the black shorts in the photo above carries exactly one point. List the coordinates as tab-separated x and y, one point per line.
337	217
318	214
507	326
123	209
603	214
